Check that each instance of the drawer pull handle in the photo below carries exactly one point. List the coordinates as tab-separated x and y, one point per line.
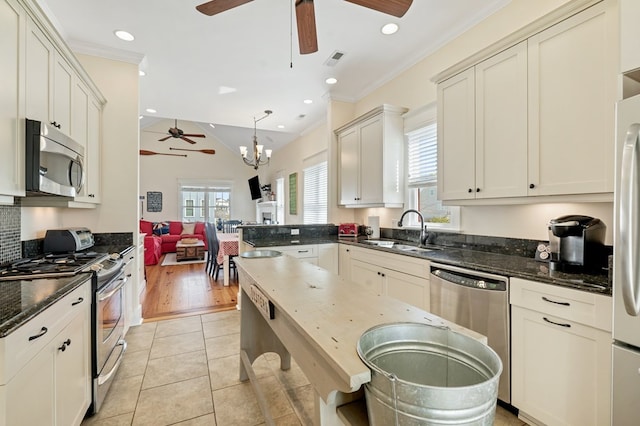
303	251
557	303
43	331
77	302
561	324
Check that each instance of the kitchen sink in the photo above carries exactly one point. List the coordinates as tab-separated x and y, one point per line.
406	248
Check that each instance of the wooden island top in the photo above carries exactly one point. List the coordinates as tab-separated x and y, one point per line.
318	318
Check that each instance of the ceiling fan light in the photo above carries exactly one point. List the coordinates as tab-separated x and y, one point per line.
389	28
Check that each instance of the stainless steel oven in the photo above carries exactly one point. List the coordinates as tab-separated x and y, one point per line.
108	331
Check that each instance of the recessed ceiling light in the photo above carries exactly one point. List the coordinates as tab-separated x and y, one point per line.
141	117
124	35
331	80
212	126
151	110
308	101
389	29
141	73
280	126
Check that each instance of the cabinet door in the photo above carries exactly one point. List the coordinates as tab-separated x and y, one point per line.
349	166
407	288
12	22
456	137
367	275
63	79
572	93
501	124
30	398
80	107
73	371
93	177
344	261
38	75
371	140
328	257
560	369
629	35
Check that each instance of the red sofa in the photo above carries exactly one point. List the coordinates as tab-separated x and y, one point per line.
157	245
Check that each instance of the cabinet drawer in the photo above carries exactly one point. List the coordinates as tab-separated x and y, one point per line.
593	310
395	262
299	251
16	349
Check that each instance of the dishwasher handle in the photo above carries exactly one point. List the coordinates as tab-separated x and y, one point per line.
469	280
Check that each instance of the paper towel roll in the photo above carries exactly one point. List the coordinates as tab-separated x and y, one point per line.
374	223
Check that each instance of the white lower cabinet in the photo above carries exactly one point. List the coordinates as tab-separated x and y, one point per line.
323	255
48	382
402	277
561	354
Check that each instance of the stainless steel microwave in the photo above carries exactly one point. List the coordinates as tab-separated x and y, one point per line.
54	161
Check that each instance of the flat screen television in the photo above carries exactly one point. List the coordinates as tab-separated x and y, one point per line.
254	187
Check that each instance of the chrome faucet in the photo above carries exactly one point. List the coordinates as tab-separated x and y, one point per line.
423	228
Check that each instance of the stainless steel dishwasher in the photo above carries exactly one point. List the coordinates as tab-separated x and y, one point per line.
480	302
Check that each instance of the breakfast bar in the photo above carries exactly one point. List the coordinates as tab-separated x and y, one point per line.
300	310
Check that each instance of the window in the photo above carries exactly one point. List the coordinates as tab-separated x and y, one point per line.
205	202
422	169
315	194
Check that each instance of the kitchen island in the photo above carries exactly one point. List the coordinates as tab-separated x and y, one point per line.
298	309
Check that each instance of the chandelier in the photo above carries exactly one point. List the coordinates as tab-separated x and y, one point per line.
257	159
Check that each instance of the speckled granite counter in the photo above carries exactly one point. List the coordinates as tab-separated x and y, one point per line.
512	266
21	300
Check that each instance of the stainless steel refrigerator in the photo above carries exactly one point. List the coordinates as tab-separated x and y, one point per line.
626	281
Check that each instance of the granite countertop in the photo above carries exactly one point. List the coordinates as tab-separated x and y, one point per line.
21	300
511	266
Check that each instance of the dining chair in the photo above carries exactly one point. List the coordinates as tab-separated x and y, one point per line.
210	231
231	225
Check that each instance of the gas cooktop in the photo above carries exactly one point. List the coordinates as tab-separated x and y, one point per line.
50	265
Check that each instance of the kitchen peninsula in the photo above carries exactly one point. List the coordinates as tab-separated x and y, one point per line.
317	317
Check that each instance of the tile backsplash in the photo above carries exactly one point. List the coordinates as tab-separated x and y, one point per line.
10	247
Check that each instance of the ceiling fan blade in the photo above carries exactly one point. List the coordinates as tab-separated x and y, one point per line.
193	135
391	7
164	139
187	140
306	19
216	6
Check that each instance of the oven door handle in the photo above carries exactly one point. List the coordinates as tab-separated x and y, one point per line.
103	379
103	297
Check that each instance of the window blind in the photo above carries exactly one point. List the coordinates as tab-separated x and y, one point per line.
422	153
315	194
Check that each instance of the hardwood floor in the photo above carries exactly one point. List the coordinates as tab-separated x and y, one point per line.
179	290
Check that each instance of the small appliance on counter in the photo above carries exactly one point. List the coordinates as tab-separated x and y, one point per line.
348	230
576	244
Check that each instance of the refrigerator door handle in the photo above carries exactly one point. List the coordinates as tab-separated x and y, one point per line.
628	221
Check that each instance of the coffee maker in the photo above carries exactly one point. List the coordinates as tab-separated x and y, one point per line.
576	244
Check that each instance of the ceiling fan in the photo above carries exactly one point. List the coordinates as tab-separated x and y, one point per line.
174	132
305	15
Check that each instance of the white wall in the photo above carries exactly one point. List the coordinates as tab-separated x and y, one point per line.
162	172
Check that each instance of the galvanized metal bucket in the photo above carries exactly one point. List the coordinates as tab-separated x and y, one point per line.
428	375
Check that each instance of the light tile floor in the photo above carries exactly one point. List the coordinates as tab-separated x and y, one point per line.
185	372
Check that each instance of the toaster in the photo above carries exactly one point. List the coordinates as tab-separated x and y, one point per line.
348	230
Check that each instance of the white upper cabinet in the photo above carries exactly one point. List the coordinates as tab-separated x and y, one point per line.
12	22
456	137
482	121
63	92
572	94
39	74
371	151
536	119
629	35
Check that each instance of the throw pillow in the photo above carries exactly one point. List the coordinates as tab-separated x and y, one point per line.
187	228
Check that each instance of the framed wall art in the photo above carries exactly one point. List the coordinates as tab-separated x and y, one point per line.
293	193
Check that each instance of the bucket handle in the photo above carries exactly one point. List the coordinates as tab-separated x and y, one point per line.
393	379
